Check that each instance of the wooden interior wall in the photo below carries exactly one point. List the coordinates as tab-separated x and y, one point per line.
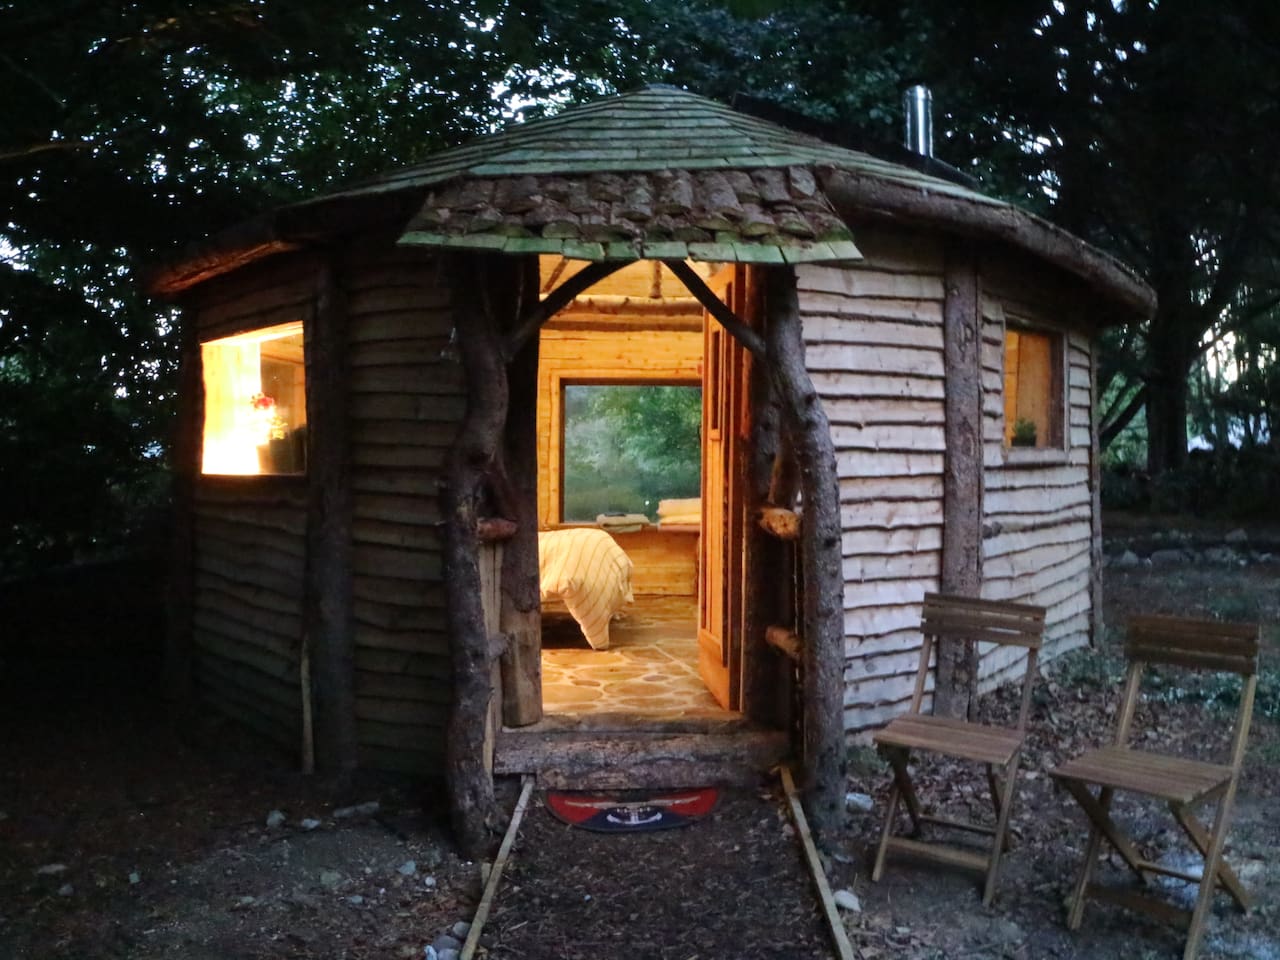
622	351
1038	506
250	537
873	345
406	403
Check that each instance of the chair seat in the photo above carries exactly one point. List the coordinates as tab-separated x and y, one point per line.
952	738
1169	778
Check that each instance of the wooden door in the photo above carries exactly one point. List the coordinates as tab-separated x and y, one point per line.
720	566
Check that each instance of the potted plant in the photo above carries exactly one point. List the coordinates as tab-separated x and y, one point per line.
1024	433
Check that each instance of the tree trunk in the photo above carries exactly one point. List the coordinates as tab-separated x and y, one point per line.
823	622
956	678
472	805
521	590
1166	421
328	617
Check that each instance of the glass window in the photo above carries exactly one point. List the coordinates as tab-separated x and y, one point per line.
255	402
627	446
1032	389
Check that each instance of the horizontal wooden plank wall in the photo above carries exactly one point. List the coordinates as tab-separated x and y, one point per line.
406	402
873	343
250	537
1038	506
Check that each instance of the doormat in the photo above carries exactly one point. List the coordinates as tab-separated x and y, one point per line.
632	813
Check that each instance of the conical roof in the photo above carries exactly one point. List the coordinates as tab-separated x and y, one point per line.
659	173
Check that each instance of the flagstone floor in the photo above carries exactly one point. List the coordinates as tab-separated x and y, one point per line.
650	668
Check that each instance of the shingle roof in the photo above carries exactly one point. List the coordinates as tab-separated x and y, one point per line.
658	173
655	141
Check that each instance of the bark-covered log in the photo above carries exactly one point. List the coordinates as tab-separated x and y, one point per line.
1096	623
822	628
956	682
766	561
327	609
180	593
521	617
868	195
472	805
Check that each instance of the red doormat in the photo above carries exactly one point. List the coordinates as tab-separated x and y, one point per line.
631	813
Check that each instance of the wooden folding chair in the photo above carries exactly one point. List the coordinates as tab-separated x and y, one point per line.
1181	782
960	619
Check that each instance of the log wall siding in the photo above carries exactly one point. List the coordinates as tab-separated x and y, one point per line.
1038	509
406	402
874	347
250	537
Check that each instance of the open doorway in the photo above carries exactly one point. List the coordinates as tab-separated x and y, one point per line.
636	460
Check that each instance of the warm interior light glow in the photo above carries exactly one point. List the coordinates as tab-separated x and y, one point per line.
255	410
1030	392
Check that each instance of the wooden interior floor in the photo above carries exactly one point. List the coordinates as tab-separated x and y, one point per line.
650	668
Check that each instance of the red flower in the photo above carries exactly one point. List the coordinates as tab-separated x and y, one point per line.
261	401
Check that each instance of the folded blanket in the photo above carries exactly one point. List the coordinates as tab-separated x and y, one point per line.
587	569
679	508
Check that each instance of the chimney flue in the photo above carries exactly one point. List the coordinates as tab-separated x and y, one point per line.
917	104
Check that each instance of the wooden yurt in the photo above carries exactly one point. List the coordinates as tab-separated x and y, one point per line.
622	447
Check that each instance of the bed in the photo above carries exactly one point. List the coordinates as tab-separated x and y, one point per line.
586	569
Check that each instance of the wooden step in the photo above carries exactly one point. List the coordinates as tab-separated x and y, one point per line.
623	760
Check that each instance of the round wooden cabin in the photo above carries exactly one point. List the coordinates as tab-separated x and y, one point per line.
878	383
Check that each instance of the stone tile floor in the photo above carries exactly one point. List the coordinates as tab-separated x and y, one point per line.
650	668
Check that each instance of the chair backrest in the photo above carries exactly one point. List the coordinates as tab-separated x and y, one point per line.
1197	645
972	620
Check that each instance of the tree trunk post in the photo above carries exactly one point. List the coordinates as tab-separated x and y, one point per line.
1096	624
328	611
820	552
472	805
956	678
184	468
521	618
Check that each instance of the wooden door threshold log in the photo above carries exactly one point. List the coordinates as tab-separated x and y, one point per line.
624	759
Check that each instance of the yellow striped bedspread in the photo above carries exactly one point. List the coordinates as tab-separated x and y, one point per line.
588	571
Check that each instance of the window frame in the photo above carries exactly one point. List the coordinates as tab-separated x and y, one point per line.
1057	447
559	383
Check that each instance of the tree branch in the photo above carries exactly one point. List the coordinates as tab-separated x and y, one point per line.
557	300
717	307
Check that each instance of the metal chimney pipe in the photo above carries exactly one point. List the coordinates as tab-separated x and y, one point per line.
917	105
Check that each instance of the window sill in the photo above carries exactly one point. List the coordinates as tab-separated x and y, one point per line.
677	528
1035	456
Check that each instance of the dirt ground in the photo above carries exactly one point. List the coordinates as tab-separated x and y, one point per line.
121	839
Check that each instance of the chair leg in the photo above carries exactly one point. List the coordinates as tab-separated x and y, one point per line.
998	840
886	831
898	760
1200	837
1075	915
997	799
1209	879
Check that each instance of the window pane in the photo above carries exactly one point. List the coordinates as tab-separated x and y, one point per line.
627	447
1032	396
255	405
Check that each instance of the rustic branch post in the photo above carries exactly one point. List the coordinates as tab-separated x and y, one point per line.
180	594
328	619
1096	624
820	549
521	617
956	677
471	798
